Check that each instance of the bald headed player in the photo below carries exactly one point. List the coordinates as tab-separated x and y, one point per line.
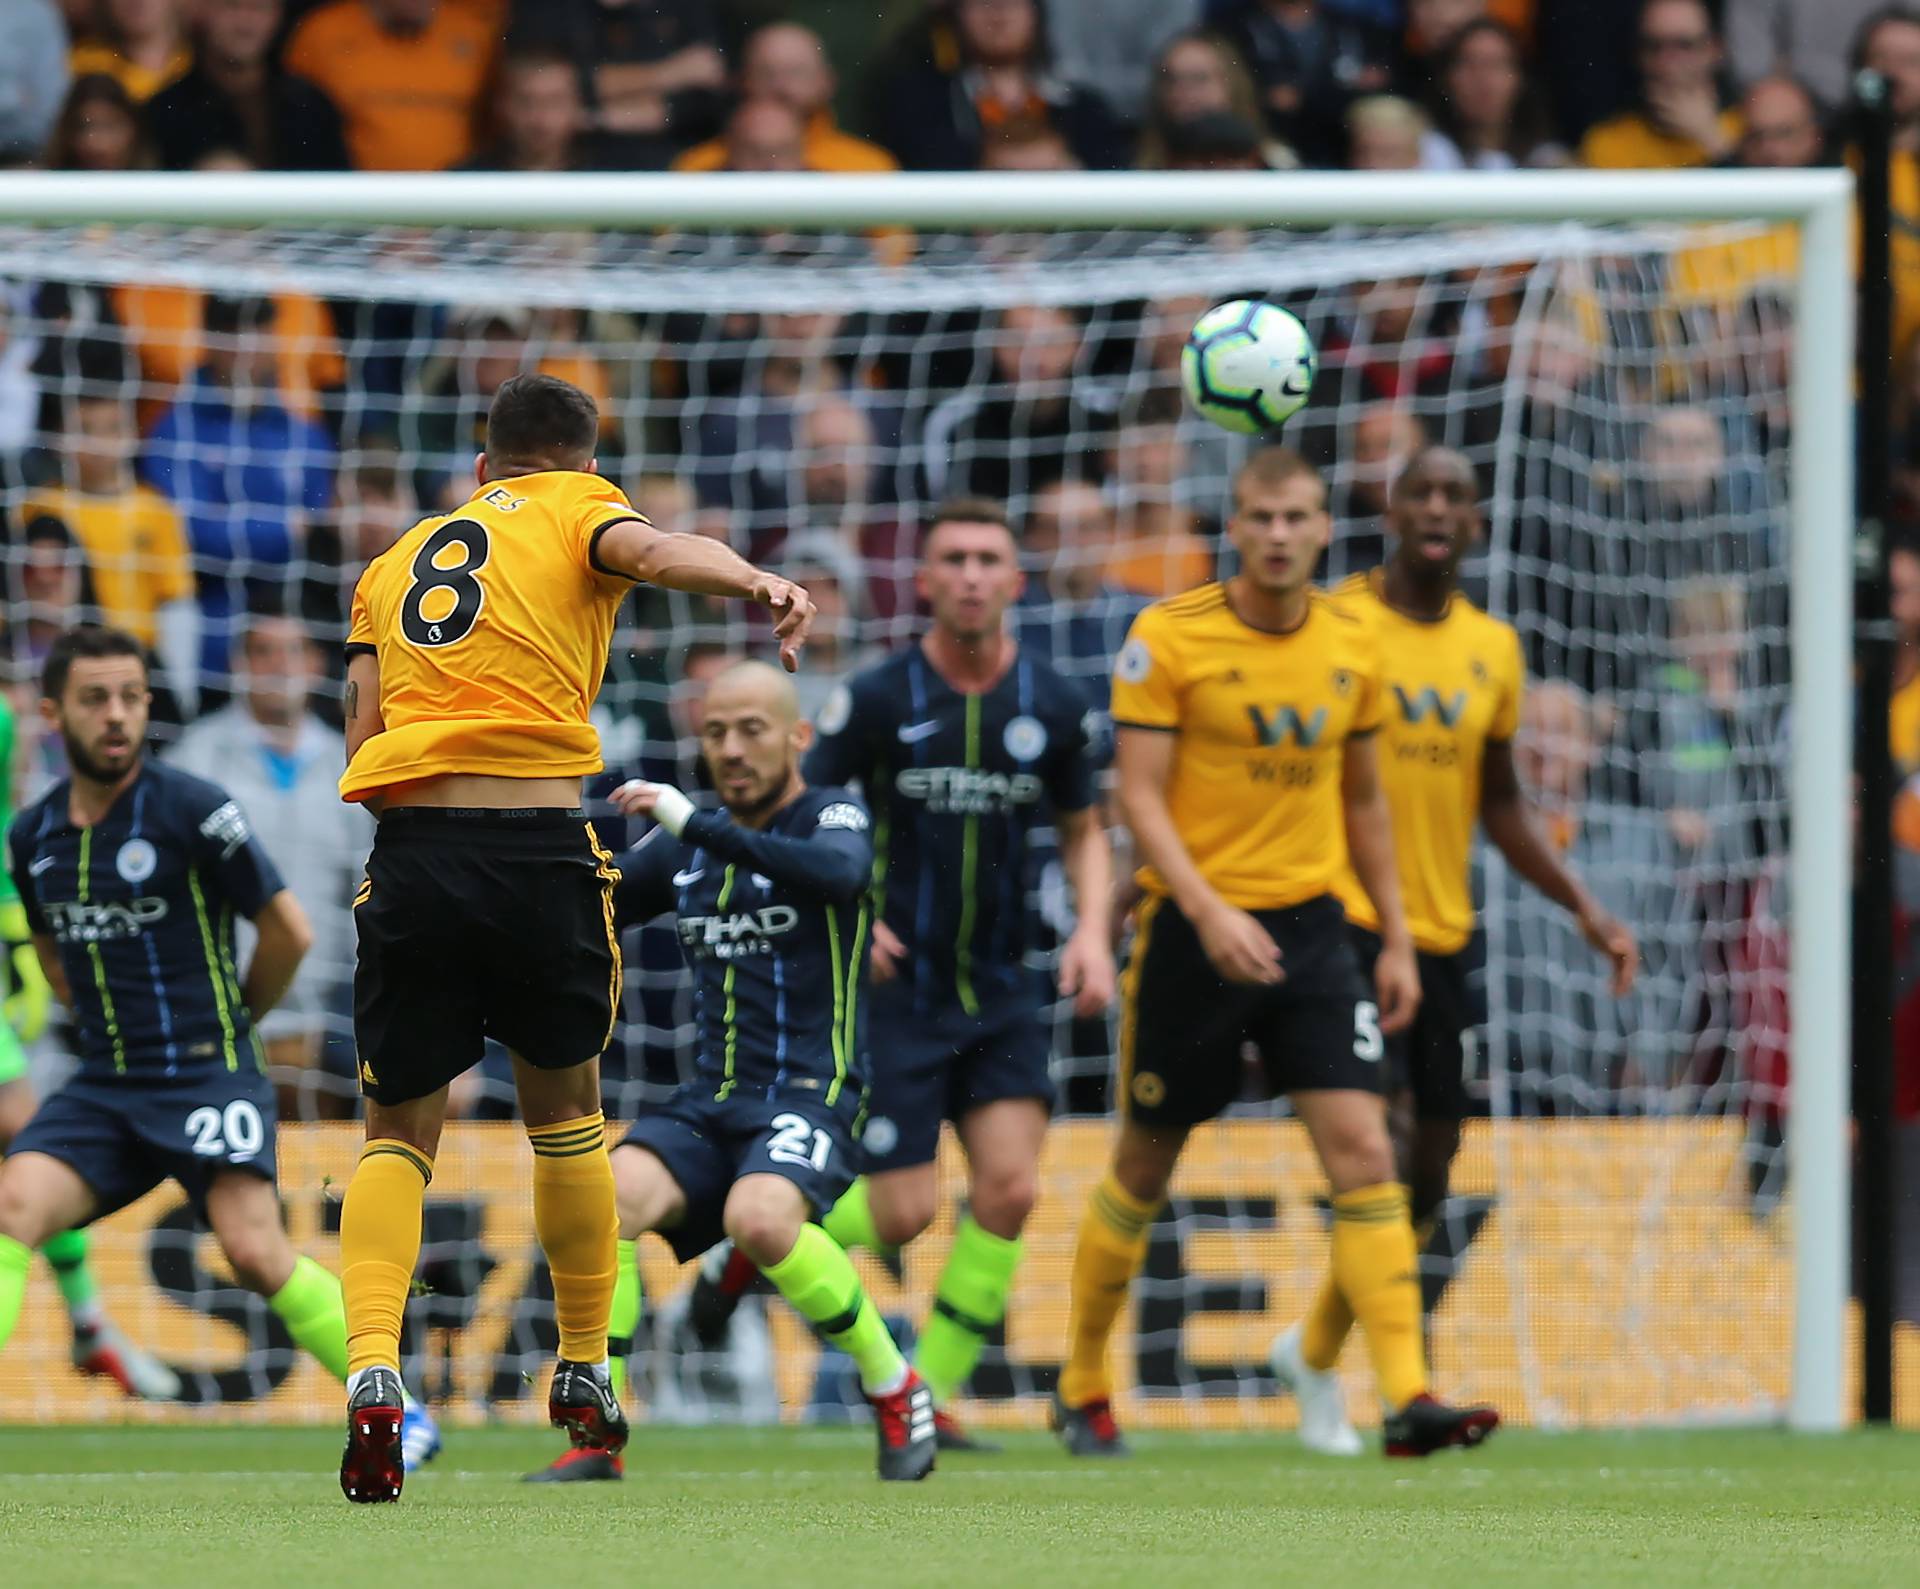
1453	684
772	897
477	646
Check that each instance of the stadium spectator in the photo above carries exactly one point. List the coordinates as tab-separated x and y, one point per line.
1432	28
446	426
236	98
835	457
33	75
19	384
1071	613
1779	125
1159	548
986	70
1382	440
1198	76
786	62
1027	148
243	471
166	326
132	537
1115	47
1810	39
140	44
98	129
282	764
764	135
539	116
1310	61
1037	421
653	72
1398	341
1889	43
1486	114
833	578
49	588
373	506
408	76
1679	119
1903	577
1385	133
1567	1031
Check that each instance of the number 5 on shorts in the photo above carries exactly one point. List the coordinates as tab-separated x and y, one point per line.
788	1144
1368	1044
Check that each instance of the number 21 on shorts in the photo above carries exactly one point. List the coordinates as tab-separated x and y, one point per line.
789	1144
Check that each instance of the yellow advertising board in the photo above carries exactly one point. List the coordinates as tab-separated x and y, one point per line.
1615	1275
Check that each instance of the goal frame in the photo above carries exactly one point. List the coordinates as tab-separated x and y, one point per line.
1821	467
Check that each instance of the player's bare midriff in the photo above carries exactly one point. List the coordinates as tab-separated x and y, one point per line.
488	791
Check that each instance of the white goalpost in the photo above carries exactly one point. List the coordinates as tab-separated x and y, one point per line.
105	220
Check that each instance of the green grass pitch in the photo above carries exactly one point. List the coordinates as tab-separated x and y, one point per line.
790	1509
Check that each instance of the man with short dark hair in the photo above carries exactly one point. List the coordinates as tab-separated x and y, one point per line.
964	744
1780	125
477	646
131	873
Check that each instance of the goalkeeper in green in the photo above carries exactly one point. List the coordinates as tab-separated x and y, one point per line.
98	1345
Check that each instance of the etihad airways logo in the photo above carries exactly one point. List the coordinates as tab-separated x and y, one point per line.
968	791
731	935
103	922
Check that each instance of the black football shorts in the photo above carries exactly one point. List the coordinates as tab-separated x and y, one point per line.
475	924
1184	1027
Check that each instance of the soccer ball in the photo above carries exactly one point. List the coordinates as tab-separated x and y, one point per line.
1248	366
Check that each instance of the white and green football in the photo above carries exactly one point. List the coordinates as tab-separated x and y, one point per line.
1248	366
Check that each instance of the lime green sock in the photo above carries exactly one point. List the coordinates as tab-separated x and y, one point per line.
67	1253
817	1278
850	1221
309	1305
968	1304
15	1261
625	1318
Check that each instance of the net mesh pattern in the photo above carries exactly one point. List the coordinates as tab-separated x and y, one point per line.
201	430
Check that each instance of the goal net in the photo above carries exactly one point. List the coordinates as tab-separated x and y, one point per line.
205	433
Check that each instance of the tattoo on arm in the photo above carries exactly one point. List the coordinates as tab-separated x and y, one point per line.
353	699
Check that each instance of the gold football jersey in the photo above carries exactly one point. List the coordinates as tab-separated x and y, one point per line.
492	625
1262	722
1451	685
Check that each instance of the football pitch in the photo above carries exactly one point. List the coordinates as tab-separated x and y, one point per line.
791	1509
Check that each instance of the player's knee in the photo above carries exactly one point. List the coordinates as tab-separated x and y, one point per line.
1362	1156
764	1220
1002	1199
903	1213
258	1252
22	1217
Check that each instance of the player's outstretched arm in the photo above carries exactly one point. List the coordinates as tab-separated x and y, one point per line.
285	936
701	565
833	862
1240	948
1370	846
1086	960
1508	817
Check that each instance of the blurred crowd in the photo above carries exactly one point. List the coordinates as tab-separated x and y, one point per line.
931	85
213	471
